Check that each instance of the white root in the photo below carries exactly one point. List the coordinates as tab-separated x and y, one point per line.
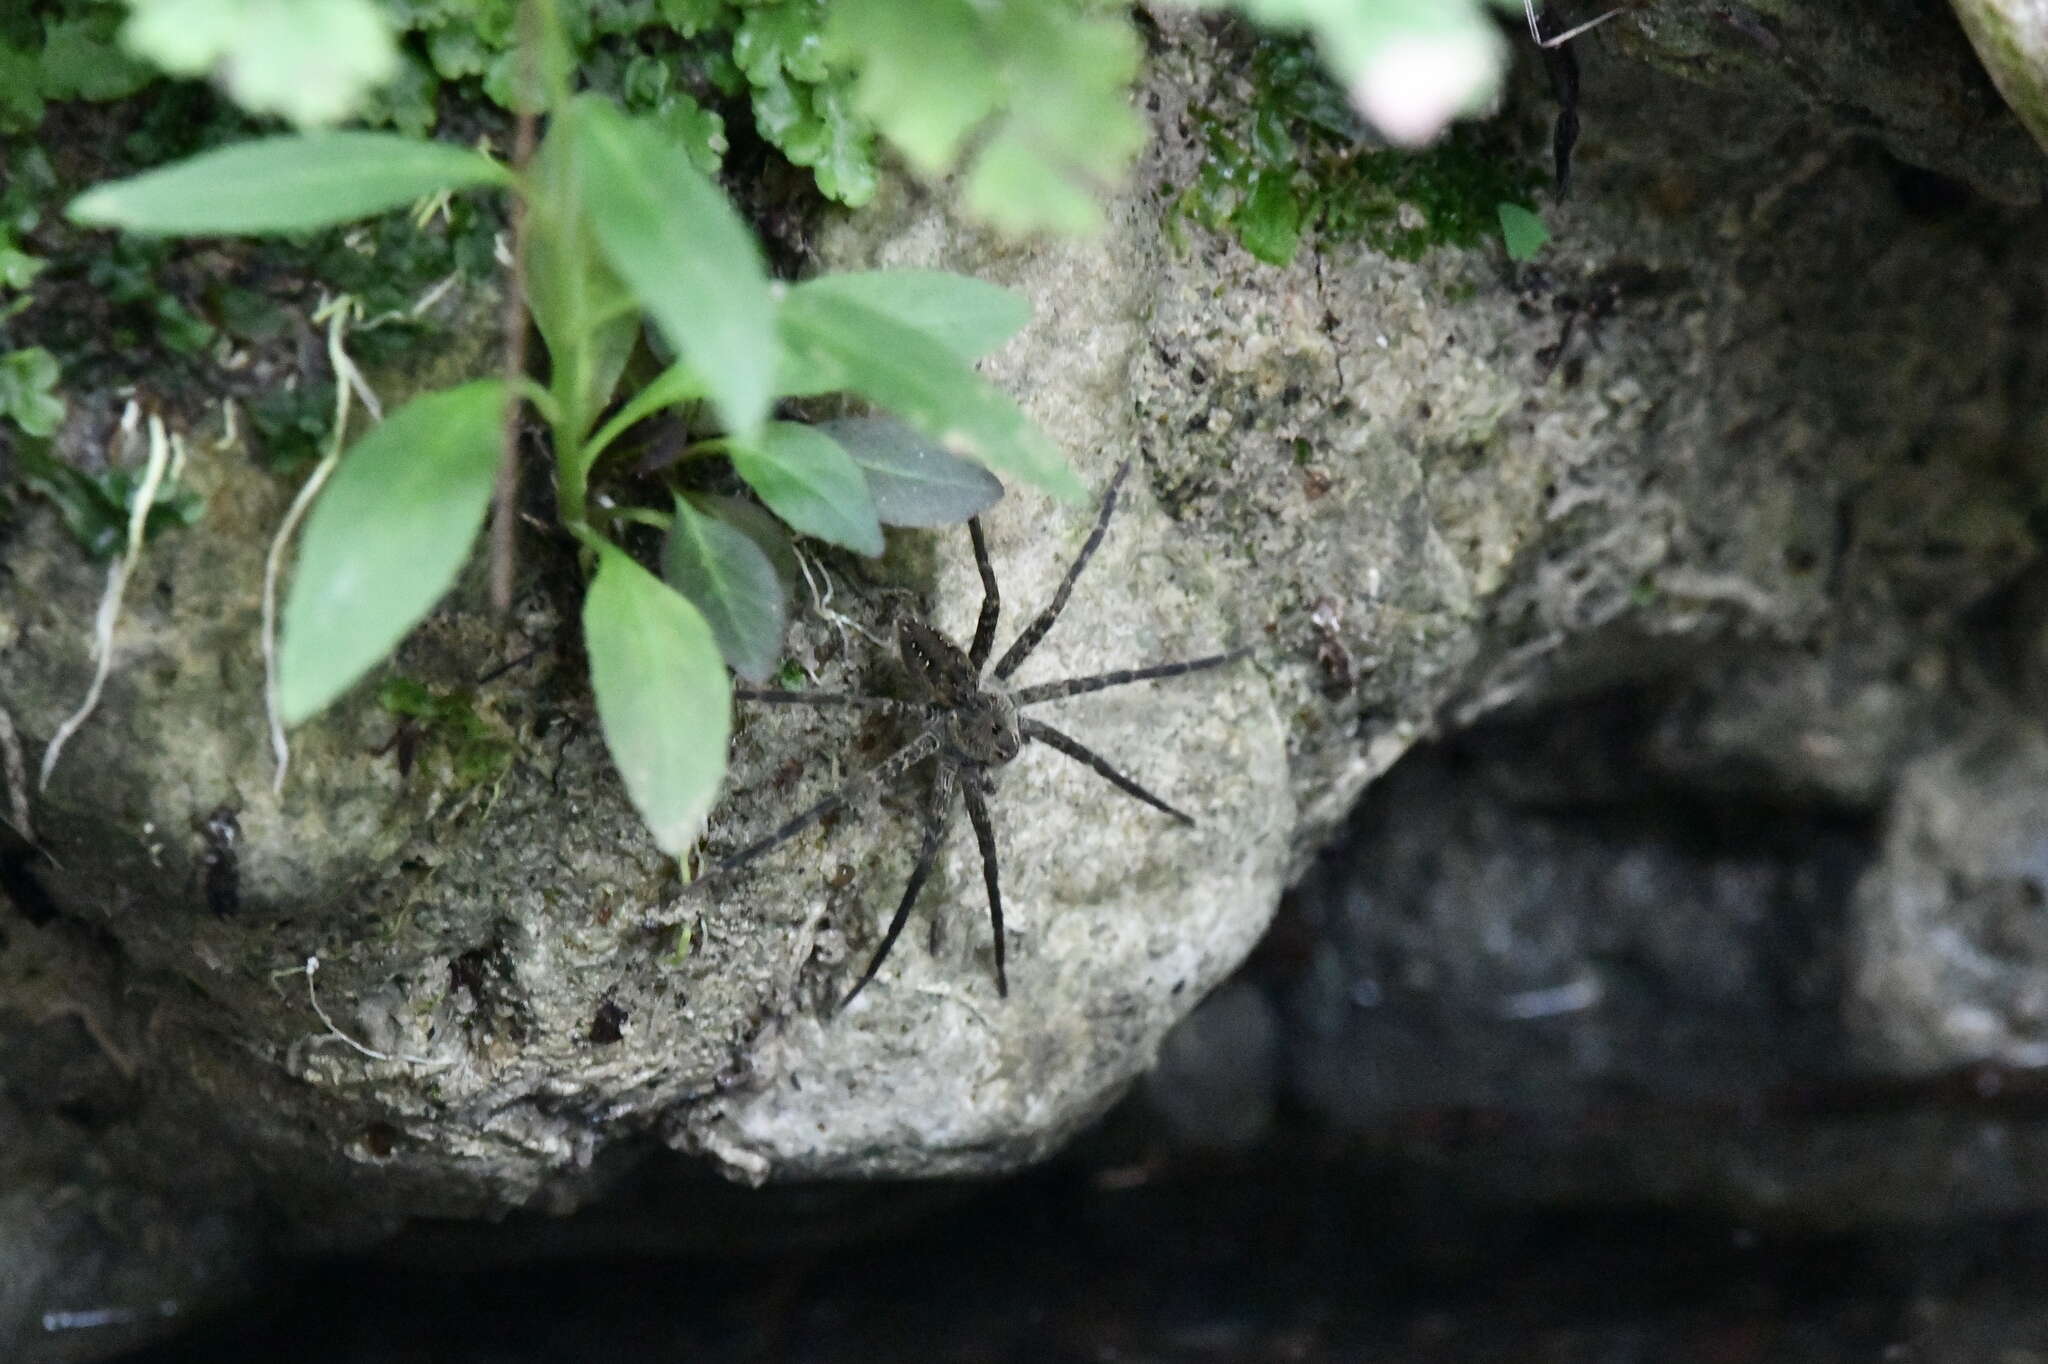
163	450
347	379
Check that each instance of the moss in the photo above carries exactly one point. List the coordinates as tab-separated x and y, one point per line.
444	728
1295	163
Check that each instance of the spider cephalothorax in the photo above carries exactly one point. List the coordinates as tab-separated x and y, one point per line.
970	726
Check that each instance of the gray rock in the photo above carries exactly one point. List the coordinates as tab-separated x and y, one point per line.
1903	74
1951	960
1794	440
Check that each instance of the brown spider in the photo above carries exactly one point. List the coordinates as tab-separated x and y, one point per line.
971	729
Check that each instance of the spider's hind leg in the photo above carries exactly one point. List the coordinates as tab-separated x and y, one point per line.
891	767
938	816
985	836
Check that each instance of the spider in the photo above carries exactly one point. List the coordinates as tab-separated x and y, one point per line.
971	726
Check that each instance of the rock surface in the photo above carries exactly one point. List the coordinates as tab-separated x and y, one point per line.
1765	430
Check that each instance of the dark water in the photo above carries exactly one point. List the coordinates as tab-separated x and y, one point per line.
1297	1255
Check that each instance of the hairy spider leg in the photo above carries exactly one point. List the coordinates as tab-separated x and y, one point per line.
938	816
1560	39
991	599
912	753
985	835
1076	686
1081	753
1021	647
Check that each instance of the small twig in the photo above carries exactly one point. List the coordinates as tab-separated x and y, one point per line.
505	496
160	457
273	563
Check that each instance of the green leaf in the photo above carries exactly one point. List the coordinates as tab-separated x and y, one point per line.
803	475
781	36
28	378
81	61
1054	82
18	269
95	508
968	316
724	574
582	307
310	61
925	77
674	385
908	371
285	184
1017	188
758	524
686	255
816	126
913	481
662	696
386	539
1523	232
1269	221
691	17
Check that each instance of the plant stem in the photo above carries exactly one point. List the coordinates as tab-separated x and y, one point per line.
505	497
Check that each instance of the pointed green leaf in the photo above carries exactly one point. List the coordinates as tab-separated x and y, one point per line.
758	524
811	483
685	254
968	316
1269	221
726	575
674	385
386	539
285	184
577	300
662	696
913	481
904	369
1523	232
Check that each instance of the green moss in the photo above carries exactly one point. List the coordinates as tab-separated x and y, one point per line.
1295	163
96	508
443	727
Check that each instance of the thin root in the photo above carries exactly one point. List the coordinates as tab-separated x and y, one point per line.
313	997
347	378
161	454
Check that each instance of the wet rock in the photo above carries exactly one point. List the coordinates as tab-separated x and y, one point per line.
1906	77
1952	929
1218	1076
1725	438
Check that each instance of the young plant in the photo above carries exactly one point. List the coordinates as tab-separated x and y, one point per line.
619	227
